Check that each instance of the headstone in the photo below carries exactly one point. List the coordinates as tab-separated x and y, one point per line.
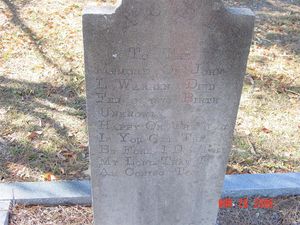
163	82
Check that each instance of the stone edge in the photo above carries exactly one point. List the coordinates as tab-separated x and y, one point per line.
103	9
267	185
79	193
4	212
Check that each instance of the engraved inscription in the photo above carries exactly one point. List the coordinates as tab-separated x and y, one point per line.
144	145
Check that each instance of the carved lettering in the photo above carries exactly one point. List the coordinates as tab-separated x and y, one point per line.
191	98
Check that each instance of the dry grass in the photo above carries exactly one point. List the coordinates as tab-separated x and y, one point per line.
42	89
58	215
267	137
42	96
286	211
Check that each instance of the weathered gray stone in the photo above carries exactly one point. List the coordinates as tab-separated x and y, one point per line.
4	212
164	80
46	193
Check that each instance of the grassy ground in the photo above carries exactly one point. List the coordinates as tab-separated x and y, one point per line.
285	211
267	137
58	215
42	97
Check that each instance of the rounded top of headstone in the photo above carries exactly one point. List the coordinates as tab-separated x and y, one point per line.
195	4
186	6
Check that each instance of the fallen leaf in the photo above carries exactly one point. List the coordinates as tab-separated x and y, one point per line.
85	146
231	170
66	154
49	177
70	155
266	130
31	136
